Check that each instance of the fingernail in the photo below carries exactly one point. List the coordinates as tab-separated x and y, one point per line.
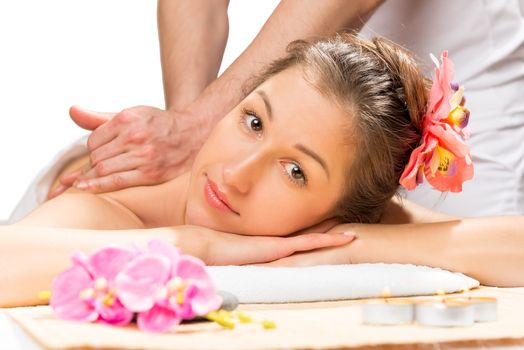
350	233
81	185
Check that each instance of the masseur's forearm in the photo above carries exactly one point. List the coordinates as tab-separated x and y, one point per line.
488	249
193	36
30	257
291	20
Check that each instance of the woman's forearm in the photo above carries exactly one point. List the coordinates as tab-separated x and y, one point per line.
30	257
488	249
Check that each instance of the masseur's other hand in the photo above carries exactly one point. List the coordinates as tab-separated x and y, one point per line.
138	146
232	249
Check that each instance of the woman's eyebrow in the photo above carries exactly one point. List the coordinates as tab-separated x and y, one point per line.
300	147
266	103
313	155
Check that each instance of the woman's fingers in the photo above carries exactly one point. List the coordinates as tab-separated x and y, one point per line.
313	241
323	226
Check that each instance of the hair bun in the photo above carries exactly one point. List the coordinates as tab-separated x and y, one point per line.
414	87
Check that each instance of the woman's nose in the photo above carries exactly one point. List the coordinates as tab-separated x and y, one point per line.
241	174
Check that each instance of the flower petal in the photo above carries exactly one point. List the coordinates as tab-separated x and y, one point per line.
158	319
445	181
201	292
115	314
164	248
141	279
448	139
109	261
441	91
408	179
65	295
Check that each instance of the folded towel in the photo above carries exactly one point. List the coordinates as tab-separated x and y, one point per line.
256	284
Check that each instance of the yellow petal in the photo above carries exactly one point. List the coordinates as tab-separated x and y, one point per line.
434	162
445	159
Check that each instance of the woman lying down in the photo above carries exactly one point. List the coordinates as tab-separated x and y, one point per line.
324	135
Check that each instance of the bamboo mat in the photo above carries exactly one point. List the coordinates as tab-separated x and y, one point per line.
321	325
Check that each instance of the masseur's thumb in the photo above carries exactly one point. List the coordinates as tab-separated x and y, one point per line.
89	120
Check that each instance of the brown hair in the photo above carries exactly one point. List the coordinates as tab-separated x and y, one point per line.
380	85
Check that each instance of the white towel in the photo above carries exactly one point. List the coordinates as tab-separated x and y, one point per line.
256	284
37	191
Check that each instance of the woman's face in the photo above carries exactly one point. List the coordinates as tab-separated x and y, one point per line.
275	164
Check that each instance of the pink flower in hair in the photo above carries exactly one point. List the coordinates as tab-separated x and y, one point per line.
85	291
443	156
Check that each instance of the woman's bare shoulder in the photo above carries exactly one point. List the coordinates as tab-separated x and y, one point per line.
157	205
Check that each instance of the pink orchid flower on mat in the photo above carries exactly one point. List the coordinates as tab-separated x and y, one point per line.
443	156
112	284
85	291
165	287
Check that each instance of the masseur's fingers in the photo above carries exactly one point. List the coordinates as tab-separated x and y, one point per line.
89	120
57	191
109	150
102	135
120	163
113	182
67	181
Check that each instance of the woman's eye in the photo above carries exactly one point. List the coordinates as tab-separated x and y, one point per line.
295	173
253	122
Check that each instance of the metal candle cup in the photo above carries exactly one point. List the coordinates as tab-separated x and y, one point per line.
445	313
485	307
388	312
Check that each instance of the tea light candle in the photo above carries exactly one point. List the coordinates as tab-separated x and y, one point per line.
388	312
449	312
485	307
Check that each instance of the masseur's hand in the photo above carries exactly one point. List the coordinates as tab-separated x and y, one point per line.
138	146
220	248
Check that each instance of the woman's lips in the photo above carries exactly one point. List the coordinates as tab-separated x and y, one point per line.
215	198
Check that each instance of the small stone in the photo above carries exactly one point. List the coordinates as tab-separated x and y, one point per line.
229	301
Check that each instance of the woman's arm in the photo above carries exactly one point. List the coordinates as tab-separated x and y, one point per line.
31	256
403	211
488	249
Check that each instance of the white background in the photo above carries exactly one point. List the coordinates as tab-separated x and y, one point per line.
99	54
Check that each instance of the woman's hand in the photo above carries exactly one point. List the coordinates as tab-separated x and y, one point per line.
138	146
220	248
334	255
